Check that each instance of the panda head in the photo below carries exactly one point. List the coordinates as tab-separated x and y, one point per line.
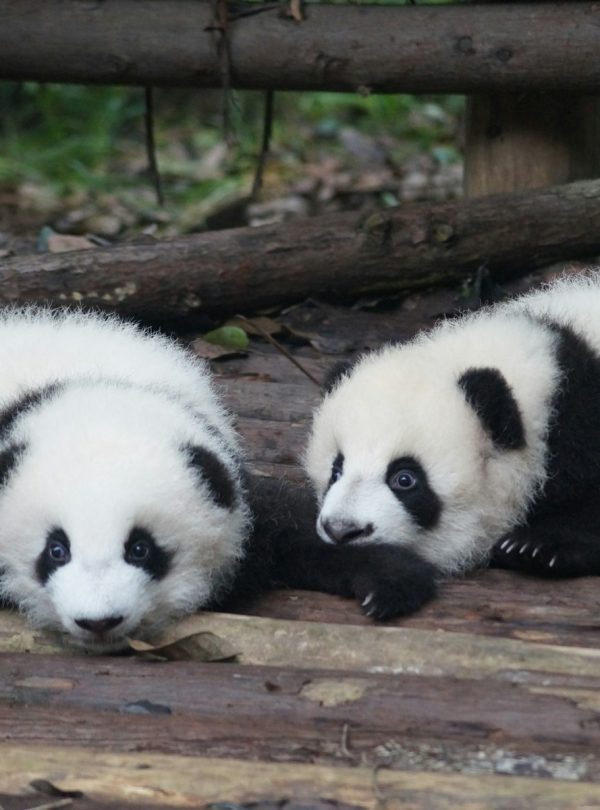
405	449
119	511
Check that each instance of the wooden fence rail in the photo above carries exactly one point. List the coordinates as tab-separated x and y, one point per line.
454	48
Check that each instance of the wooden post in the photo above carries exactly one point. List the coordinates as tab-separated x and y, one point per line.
523	141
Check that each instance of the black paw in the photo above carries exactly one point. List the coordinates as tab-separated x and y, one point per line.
548	555
394	582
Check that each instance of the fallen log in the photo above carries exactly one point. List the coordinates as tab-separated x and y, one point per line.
438	49
340	256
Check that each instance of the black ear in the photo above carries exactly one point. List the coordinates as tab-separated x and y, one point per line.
334	375
490	396
214	473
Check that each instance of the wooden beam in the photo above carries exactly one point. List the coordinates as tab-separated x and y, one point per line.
340	255
399	49
197	781
216	709
385	650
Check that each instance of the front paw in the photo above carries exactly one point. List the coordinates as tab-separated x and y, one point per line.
394	582
546	554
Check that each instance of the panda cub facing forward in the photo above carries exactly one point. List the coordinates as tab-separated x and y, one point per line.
478	440
121	505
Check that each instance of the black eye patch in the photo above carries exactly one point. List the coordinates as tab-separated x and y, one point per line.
408	481
337	470
142	551
56	554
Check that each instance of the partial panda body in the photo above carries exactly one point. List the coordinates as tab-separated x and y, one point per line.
478	440
123	499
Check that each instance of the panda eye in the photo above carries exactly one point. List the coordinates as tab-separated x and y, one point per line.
337	468
139	551
58	550
142	551
403	480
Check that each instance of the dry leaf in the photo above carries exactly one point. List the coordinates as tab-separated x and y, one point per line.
210	351
202	646
295	10
63	242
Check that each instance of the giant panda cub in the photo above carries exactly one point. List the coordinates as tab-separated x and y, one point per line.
476	441
123	500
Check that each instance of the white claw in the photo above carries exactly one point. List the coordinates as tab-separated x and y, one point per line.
535	551
524	548
504	544
552	561
367	599
510	548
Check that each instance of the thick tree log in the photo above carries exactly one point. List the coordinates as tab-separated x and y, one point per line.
397	49
340	256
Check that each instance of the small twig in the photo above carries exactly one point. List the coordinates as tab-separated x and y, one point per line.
280	348
221	25
151	145
266	143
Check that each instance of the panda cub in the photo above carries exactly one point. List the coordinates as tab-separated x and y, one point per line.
120	483
477	441
123	499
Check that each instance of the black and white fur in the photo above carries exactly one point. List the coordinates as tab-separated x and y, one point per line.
478	440
123	499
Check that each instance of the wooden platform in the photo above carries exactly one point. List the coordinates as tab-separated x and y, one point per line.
489	698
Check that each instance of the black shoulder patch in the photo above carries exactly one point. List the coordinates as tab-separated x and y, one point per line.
26	402
490	396
214	473
334	375
9	458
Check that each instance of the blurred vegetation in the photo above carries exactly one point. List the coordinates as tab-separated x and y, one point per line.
73	140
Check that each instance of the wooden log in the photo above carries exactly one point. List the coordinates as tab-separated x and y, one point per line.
342	256
386	650
417	50
545	724
180	781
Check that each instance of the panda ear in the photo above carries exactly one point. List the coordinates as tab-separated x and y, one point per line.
334	375
490	396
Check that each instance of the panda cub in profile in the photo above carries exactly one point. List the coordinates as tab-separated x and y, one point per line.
477	441
121	502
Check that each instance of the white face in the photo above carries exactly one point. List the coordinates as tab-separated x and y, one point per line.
115	533
400	457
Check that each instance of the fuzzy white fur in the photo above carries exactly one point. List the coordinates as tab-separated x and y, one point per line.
404	400
104	455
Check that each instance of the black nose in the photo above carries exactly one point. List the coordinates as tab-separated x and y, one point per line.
99	626
344	531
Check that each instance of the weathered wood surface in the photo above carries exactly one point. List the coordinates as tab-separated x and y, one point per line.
200	782
341	256
539	723
489	698
400	49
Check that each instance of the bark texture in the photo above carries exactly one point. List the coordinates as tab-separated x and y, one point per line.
395	49
341	256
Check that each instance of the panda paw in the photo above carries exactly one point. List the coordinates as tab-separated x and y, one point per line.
545	555
394	582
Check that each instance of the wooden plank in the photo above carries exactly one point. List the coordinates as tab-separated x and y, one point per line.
545	724
394	49
197	781
486	602
391	650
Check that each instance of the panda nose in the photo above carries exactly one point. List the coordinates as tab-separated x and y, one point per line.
99	626
344	531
